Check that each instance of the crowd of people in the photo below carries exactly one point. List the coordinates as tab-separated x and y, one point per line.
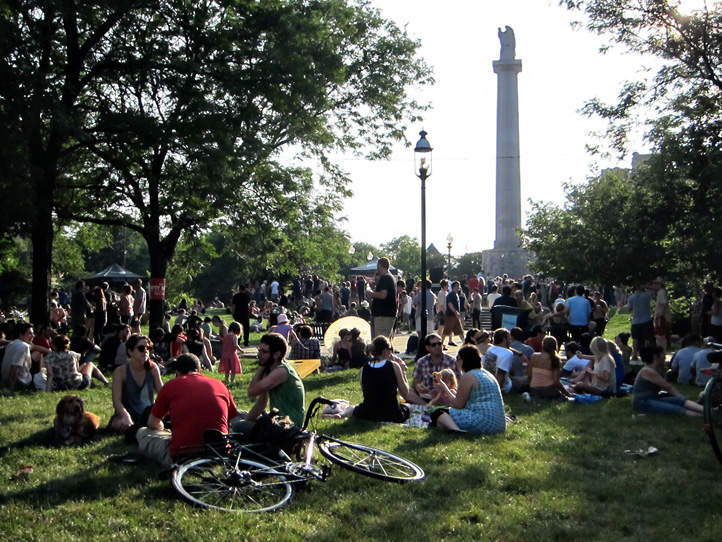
464	392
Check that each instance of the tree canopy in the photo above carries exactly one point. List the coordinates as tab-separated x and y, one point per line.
166	116
659	218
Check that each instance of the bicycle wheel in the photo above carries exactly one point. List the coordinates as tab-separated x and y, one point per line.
370	461
222	485
713	415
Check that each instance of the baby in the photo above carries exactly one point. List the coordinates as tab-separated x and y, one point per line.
440	397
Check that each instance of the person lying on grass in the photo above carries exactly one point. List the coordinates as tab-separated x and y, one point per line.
650	382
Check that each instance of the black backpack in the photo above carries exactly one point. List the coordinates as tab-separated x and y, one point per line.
412	345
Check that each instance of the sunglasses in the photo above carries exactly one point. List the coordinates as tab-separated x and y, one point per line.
142	348
434	344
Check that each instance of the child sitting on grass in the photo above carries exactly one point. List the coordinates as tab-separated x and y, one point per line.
442	398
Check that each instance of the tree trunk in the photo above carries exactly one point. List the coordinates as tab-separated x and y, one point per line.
158	269
161	253
42	238
42	232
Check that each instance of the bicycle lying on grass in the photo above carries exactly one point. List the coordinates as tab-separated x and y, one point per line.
234	476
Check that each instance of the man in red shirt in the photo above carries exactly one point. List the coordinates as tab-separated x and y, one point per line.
195	404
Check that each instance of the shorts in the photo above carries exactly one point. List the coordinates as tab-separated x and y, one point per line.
661	327
441	317
453	326
643	332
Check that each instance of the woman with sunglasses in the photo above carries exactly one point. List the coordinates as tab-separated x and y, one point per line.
135	385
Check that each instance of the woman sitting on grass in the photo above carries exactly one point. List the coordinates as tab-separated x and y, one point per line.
341	352
650	382
543	372
134	386
476	405
600	380
382	379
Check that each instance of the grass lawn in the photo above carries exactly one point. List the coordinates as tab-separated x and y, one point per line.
560	473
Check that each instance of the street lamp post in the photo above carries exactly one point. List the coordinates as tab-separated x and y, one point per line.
424	172
449	240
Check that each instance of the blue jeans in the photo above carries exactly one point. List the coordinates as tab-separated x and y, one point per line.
661	405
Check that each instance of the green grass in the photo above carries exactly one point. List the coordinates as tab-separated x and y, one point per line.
560	473
618	322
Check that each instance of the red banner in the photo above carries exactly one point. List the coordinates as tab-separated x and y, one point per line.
157	289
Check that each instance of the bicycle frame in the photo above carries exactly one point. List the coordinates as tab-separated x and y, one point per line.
238	476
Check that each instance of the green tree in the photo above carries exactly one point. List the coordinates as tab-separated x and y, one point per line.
610	231
468	264
164	116
405	254
679	108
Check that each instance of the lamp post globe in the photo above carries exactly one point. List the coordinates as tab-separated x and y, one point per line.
449	240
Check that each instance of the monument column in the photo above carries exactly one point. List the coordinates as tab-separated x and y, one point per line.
507	257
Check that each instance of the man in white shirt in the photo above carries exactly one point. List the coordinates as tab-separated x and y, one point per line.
493	296
17	361
139	299
441	306
498	361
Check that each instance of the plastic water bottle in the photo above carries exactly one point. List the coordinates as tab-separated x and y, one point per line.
526	396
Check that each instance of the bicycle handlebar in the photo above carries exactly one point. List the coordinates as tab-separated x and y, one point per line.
313	409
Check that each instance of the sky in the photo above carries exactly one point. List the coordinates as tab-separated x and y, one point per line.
561	69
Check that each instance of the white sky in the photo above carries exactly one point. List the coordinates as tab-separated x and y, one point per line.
561	69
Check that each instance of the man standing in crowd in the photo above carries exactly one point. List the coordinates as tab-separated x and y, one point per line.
578	310
453	322
345	294
493	296
441	306
195	404
430	301
239	310
384	306
505	298
642	324
139	300
79	304
662	313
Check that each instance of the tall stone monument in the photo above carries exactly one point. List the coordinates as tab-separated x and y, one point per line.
506	256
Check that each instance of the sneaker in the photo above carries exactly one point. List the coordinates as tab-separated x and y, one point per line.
452	344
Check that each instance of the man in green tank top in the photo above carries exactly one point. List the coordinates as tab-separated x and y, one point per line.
276	381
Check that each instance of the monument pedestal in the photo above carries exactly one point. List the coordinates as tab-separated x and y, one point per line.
512	261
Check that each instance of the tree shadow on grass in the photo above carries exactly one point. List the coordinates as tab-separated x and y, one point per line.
99	481
45	438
